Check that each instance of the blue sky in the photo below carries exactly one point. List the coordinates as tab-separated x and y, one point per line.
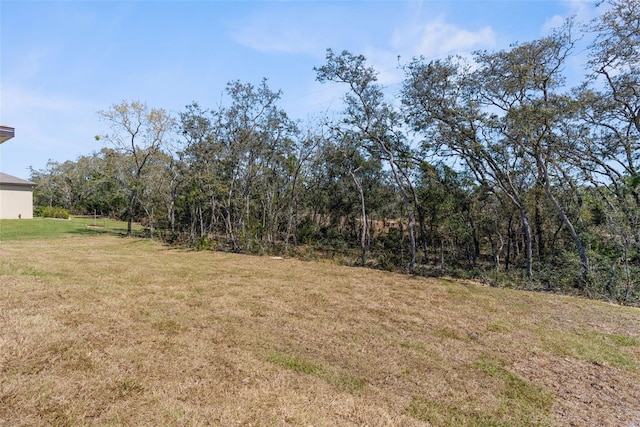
61	61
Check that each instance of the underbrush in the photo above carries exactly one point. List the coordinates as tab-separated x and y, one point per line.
51	212
561	275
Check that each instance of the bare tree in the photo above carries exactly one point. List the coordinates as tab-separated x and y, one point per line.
140	133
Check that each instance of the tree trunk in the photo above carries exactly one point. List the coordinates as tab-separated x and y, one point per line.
130	212
363	232
584	260
526	228
539	227
423	230
412	239
507	258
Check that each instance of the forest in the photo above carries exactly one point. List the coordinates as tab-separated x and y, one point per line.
489	167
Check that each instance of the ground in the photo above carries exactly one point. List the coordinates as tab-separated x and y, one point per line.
106	330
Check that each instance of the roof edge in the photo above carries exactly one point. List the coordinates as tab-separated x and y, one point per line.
5	178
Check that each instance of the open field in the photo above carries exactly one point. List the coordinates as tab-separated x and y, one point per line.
97	329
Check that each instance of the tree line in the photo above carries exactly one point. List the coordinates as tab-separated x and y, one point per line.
488	167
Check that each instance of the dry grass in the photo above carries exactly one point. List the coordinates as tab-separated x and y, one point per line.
113	331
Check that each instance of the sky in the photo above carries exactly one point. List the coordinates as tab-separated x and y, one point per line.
62	61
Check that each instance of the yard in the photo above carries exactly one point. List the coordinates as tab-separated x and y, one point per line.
100	329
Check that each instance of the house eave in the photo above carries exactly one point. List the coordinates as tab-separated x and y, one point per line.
6	133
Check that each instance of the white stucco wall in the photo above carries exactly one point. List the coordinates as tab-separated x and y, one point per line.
16	201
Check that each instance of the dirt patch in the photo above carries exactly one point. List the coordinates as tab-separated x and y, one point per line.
587	393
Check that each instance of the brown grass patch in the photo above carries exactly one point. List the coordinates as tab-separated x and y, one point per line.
110	331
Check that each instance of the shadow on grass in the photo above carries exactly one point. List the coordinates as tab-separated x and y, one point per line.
94	231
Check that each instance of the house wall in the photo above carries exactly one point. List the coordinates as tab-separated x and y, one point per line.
16	201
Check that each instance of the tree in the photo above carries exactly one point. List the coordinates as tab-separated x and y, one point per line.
259	140
615	57
140	133
608	150
447	199
352	160
504	118
440	100
240	166
307	148
609	103
522	83
53	185
201	165
373	122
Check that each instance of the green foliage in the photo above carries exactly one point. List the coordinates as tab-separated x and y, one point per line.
390	249
203	243
308	231
51	212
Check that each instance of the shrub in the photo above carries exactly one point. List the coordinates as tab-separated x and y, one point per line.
51	212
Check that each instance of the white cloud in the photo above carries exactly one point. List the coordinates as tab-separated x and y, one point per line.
385	62
438	38
552	23
582	10
315	100
293	31
279	40
434	39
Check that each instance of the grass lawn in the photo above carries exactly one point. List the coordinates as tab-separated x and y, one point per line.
100	329
46	228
